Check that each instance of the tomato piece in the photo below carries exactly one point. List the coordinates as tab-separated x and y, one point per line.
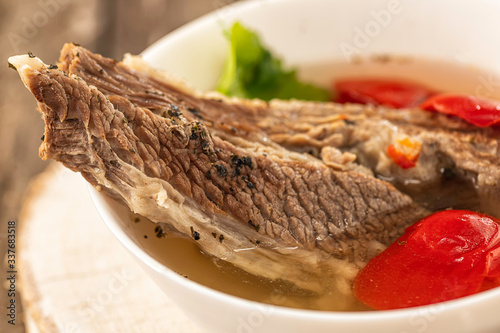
480	112
390	93
447	255
405	152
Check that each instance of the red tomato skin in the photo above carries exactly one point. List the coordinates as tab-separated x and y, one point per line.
477	111
391	93
445	256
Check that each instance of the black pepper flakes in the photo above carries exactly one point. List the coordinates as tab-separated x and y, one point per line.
145	236
159	232
253	226
239	161
43	137
206	147
193	136
221	170
195	234
247	160
195	112
221	238
132	150
30	54
53	66
250	185
101	71
349	122
257	242
214	234
174	111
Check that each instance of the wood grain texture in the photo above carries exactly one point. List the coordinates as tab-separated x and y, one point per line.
109	27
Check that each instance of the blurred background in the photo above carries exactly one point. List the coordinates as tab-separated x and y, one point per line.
109	27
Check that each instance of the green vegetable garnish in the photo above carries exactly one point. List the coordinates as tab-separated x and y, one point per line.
251	71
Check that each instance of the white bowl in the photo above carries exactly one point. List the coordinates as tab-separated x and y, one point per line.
306	32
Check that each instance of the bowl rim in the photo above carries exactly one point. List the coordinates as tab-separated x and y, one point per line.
102	204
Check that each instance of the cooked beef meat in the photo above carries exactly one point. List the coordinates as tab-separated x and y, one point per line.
207	165
345	137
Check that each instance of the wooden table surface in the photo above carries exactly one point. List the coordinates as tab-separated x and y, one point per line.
110	27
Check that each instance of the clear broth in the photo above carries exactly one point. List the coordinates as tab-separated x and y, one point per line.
183	256
445	76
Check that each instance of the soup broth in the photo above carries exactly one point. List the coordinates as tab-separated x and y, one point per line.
183	256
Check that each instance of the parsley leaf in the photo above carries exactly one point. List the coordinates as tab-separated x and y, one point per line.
251	71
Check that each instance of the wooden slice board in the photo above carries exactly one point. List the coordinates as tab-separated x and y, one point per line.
74	275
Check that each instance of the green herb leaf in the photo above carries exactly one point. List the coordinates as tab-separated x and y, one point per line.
251	71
